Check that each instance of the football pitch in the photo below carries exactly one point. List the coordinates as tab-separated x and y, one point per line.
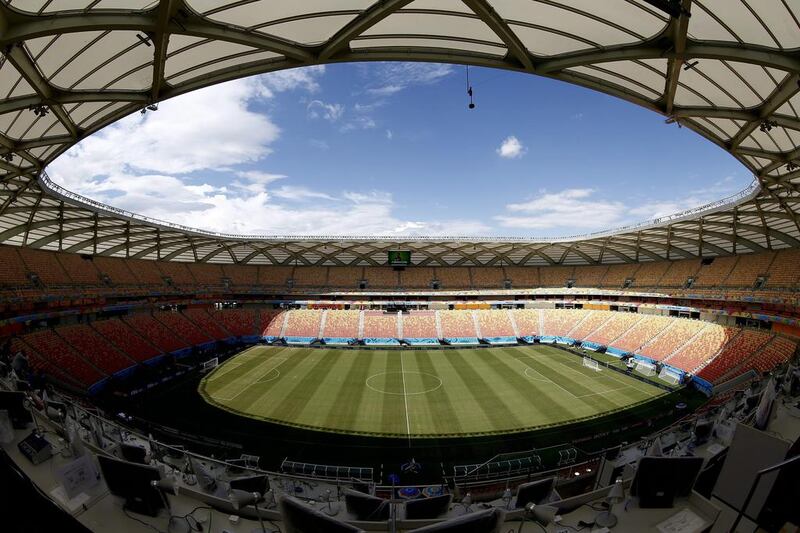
419	393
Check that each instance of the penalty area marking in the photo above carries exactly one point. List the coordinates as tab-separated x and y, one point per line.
258	379
540	377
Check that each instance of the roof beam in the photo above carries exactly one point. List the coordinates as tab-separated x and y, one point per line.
371	16
496	23
167	9
678	29
788	88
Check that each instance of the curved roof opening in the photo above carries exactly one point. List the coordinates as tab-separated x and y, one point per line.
393	149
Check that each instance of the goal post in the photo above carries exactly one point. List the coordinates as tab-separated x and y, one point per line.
670	376
645	368
591	364
209	365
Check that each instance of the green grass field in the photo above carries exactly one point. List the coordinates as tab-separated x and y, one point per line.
425	393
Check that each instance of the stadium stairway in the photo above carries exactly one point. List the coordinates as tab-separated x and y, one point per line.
689	341
438	325
513	323
322	320
476	324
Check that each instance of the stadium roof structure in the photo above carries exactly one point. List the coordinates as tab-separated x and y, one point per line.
727	69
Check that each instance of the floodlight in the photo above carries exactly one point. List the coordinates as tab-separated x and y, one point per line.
615	495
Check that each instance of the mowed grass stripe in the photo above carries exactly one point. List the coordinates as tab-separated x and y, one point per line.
482	391
241	377
432	409
470	417
543	404
500	415
348	407
250	392
303	385
393	417
576	390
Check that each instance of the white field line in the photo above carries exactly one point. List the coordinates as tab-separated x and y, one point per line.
545	377
255	382
567	364
610	374
405	400
237	361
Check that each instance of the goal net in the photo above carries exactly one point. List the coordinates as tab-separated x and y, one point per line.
209	365
590	363
645	368
669	376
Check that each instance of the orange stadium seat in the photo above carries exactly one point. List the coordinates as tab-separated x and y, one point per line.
80	269
590	276
614	328
420	325
710	341
527	322
118	270
95	348
457	324
453	277
310	276
341	324
154	331
593	320
243	275
12	269
381	278
274	276
271	322
51	347
650	274
736	352
495	323
716	273
679	331
748	268
642	332
617	274
182	327
125	338
206	273
146	272
178	272
378	324
679	272
345	277
45	265
556	276
559	322
205	322
784	270
303	323
488	277
240	322
524	277
416	277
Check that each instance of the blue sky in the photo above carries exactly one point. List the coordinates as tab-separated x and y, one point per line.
391	149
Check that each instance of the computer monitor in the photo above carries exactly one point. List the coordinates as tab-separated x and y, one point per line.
366	507
14	403
133	482
536	491
259	484
300	518
659	480
428	508
488	521
133	453
204	478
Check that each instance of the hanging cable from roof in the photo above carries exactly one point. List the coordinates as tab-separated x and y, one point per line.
469	91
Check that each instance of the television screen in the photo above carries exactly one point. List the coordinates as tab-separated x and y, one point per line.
399	257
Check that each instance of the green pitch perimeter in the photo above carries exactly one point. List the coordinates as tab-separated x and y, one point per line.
410	393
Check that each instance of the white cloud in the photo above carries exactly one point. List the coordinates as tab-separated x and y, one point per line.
319	144
320	109
387	79
570	208
511	148
389	135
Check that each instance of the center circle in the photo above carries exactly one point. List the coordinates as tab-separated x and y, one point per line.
403	383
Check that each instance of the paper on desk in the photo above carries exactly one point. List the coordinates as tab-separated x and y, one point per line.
685	521
71	504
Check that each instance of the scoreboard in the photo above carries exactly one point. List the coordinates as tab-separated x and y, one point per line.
399	257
